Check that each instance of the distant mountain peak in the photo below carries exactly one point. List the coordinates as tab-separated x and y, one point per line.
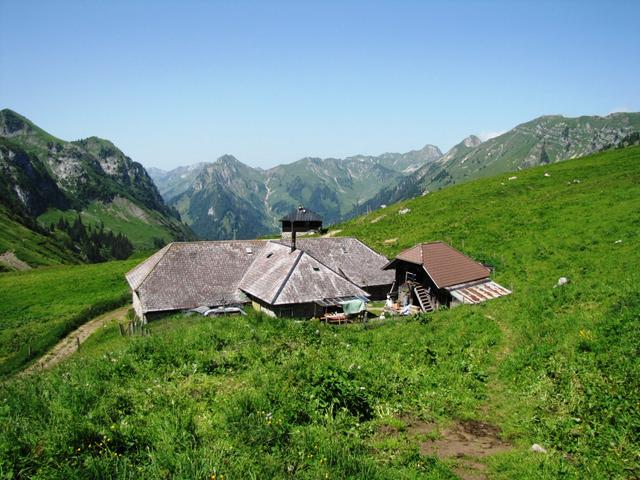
230	162
227	158
12	123
471	141
431	149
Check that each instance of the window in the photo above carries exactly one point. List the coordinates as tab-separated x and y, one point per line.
316	269
269	254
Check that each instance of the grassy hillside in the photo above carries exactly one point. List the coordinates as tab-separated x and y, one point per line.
547	139
43	176
40	306
30	246
141	226
260	398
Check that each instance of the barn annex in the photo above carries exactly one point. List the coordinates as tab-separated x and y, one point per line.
430	275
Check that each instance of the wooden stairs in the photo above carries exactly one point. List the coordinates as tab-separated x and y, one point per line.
424	299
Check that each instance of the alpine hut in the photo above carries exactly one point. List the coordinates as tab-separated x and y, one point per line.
435	274
275	276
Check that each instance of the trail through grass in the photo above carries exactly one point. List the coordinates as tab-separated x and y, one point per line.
40	306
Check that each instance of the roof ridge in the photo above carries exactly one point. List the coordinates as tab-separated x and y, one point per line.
225	241
166	248
366	246
286	279
331	269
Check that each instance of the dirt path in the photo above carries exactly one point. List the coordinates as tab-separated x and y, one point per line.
69	344
466	445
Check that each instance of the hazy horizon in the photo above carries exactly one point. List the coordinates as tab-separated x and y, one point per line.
175	84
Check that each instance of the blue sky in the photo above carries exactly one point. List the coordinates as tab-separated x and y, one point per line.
173	83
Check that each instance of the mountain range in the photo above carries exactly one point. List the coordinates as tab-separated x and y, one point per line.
228	199
44	178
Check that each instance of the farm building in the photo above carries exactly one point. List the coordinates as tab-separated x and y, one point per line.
435	274
291	283
280	277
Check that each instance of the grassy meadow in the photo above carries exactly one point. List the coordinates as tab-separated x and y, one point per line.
253	397
141	227
40	306
30	246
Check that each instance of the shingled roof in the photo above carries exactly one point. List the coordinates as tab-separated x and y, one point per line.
350	258
279	276
191	274
302	214
444	264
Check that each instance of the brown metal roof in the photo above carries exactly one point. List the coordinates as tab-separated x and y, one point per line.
444	264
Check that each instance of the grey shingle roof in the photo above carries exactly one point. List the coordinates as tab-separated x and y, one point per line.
279	276
191	274
349	257
268	271
136	276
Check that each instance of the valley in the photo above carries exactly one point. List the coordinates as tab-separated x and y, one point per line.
44	179
227	199
274	397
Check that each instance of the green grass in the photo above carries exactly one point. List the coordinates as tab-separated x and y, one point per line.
118	219
261	398
38	307
30	246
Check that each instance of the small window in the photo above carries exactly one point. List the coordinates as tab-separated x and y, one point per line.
269	254
316	269
249	250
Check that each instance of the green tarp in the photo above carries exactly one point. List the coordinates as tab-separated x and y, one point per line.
353	306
